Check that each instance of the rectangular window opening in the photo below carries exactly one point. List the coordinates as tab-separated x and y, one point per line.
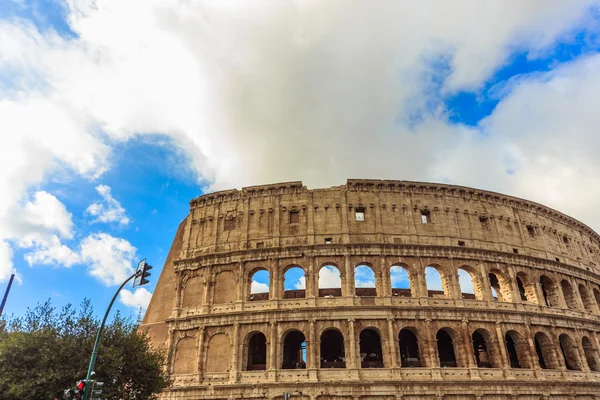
360	214
516	251
425	217
294	217
328	240
260	245
531	230
461	243
557	259
229	224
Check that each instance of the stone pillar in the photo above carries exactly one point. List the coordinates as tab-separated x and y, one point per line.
351	358
200	349
533	358
422	289
393	344
577	295
457	294
385	284
309	277
233	373
485	282
272	345
275	282
348	283
468	342
312	346
504	362
432	354
244	280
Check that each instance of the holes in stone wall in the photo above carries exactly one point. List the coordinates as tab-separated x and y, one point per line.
371	354
257	352
294	217
409	349
425	217
550	291
446	353
531	231
359	214
228	224
333	354
294	351
569	294
330	281
569	352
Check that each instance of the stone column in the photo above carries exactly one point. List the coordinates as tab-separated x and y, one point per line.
272	345
234	354
533	358
312	346
433	361
200	349
504	362
384	281
275	283
351	357
348	284
421	281
393	344
309	277
468	342
485	282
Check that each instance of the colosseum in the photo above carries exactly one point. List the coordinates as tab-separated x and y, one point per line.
515	314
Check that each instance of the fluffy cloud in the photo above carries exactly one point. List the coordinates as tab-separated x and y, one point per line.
136	299
433	279
258	287
109	258
399	278
110	210
329	277
364	277
300	283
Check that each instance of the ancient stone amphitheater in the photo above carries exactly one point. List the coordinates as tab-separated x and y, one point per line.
527	330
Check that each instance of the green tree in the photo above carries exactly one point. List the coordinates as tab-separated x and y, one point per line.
47	350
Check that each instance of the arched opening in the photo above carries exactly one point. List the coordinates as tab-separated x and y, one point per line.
481	348
596	293
294	283
445	347
364	281
500	287
517	350
185	361
469	284
569	352
332	349
550	292
330	282
224	282
259	285
526	288
400	280
371	355
569	294
257	352
591	354
587	301
409	349
545	351
294	351
434	282
218	354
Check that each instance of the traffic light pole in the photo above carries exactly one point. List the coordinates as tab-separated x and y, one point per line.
86	390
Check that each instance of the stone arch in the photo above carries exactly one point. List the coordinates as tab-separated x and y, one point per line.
294	350
587	301
258	290
255	345
408	341
436	281
483	348
570	353
294	282
402	280
330	280
193	291
332	351
365	280
225	286
446	342
596	294
526	287
544	349
218	354
549	291
517	350
470	283
371	352
591	354
500	285
185	360
569	294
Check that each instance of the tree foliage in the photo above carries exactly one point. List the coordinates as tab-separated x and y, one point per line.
48	350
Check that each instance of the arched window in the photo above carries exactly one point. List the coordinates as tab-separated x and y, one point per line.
333	354
435	284
185	356
364	281
259	285
550	291
569	352
400	280
521	289
294	351
500	287
257	352
591	354
517	349
569	294
371	355
409	348
445	347
526	288
218	355
469	284
482	348
224	282
330	282
596	293
192	292
587	301
294	283
545	351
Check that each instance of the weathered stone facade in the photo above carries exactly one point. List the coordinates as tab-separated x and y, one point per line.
537	338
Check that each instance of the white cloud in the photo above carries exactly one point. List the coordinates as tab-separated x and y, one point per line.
6	265
258	287
364	277
139	298
300	283
108	211
465	281
433	279
399	277
109	258
329	277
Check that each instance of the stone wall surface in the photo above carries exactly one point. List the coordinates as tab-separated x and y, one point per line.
528	330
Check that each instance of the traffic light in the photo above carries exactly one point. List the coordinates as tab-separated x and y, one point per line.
142	273
96	392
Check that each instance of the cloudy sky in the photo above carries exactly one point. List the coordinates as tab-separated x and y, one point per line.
114	114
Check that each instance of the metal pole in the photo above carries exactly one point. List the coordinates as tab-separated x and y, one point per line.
12	277
86	390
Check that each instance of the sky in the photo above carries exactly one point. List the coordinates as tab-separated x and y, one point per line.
114	114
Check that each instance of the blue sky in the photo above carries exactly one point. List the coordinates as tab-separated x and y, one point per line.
114	115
